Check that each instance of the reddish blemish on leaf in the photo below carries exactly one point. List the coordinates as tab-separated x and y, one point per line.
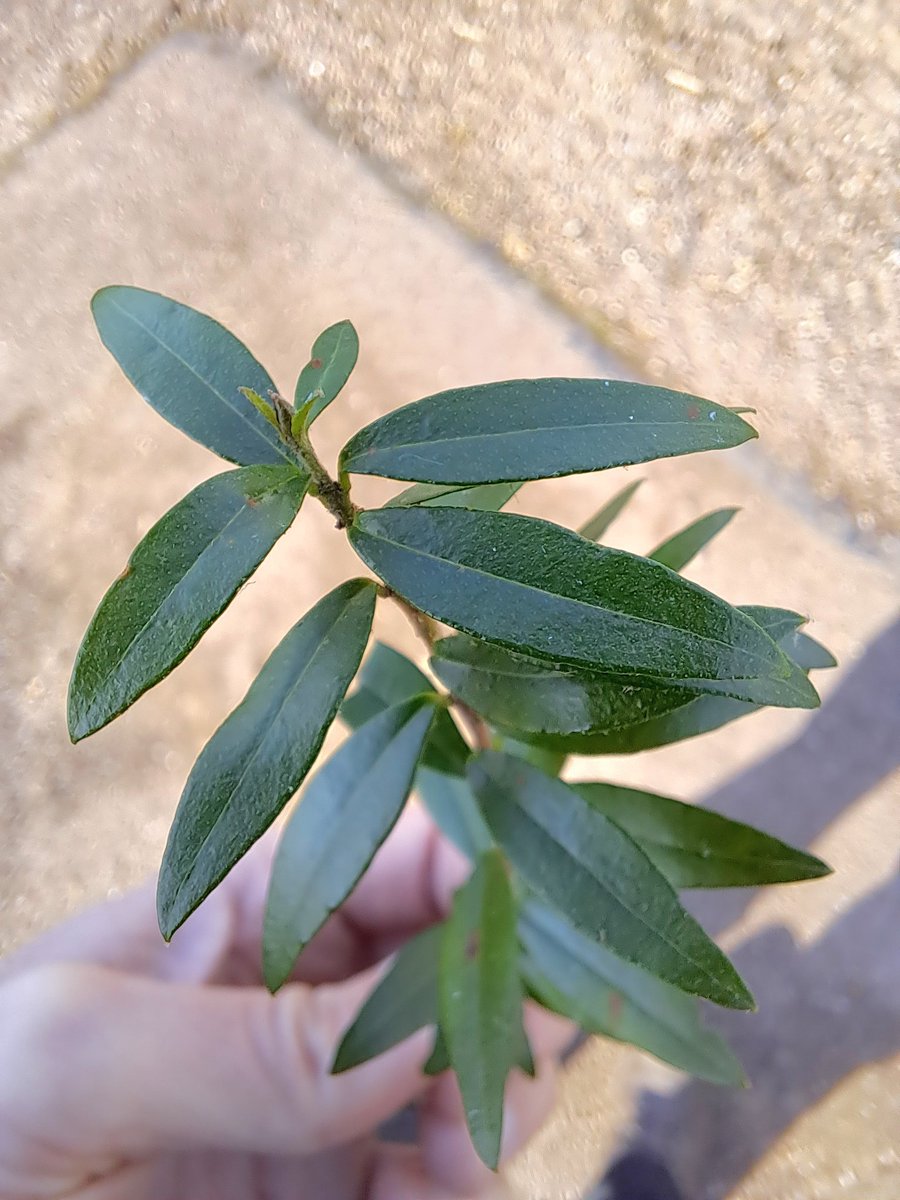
473	945
316	362
693	412
252	501
615	1007
124	573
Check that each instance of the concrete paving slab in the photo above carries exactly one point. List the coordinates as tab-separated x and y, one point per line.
197	176
711	188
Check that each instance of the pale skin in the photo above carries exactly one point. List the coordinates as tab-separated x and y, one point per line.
132	1070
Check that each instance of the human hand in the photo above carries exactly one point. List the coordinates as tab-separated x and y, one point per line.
132	1070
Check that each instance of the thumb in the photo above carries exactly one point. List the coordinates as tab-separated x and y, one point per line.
124	1065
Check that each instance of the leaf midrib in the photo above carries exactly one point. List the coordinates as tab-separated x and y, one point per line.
237	409
595	608
511	434
618	900
648	1013
713	857
337	830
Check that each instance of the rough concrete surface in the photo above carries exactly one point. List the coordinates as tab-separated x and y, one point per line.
710	185
196	176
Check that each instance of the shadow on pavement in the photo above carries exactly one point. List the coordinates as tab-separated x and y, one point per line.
825	1008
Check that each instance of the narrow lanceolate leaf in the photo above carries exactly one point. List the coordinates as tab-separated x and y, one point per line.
389	677
331	362
489	497
677	551
346	812
480	998
595	528
579	862
190	369
694	847
543	590
404	1001
181	576
572	975
538	428
530	696
258	757
580	712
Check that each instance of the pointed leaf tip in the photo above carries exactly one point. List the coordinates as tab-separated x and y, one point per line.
537	429
578	861
480	998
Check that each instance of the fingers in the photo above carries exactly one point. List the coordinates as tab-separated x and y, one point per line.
407	887
112	1064
402	1175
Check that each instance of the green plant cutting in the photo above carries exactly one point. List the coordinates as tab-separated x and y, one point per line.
542	642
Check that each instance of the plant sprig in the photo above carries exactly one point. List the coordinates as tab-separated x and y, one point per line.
558	645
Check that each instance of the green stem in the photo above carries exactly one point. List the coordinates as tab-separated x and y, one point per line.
333	495
427	629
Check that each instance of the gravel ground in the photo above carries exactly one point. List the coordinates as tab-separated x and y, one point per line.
711	188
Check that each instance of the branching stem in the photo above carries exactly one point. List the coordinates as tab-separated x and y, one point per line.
427	629
333	495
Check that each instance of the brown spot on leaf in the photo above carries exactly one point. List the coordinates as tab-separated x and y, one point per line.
615	1007
252	501
125	572
473	945
693	412
316	362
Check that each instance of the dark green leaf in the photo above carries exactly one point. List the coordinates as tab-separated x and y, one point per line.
181	576
538	428
572	975
480	997
677	551
807	652
332	360
489	497
595	528
517	693
189	368
258	757
454	810
541	589
577	860
439	1060
777	622
568	710
344	814
404	1001
694	847
389	677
